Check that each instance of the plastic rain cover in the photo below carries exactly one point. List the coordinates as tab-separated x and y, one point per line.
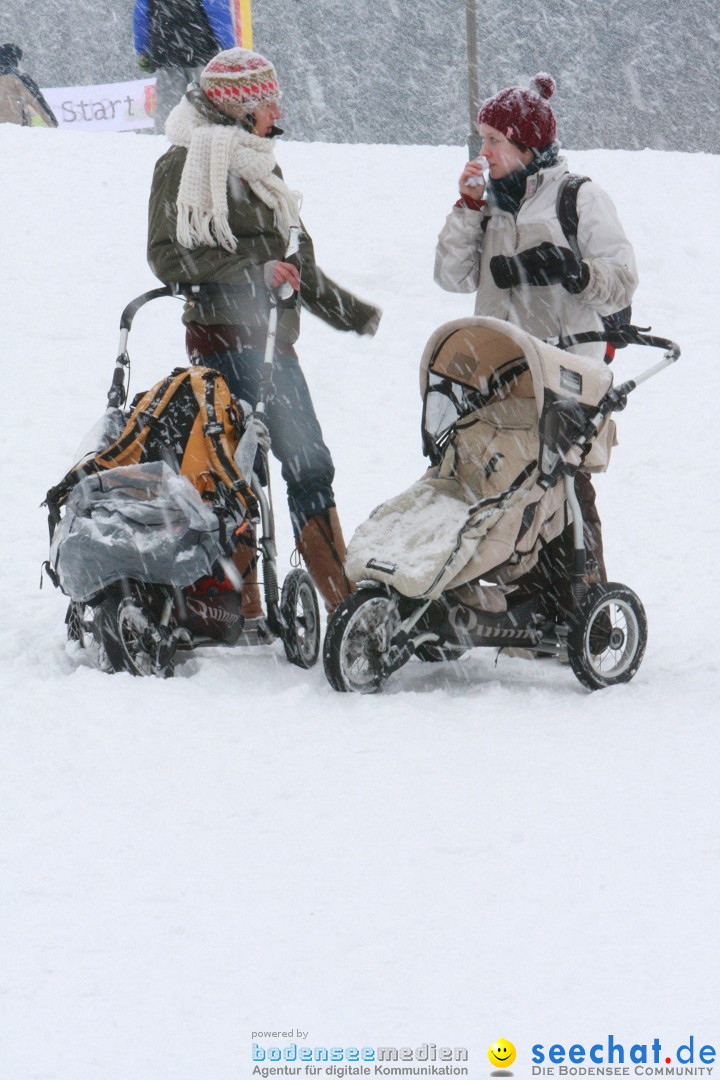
142	522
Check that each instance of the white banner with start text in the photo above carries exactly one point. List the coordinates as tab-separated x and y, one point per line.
125	106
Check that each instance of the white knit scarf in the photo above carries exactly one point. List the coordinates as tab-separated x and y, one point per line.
214	151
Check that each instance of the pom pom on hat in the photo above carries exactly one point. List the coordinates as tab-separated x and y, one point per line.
241	80
523	115
543	84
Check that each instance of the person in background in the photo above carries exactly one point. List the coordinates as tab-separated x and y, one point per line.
504	240
220	215
21	101
175	39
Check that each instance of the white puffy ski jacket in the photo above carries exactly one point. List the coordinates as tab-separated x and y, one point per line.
465	247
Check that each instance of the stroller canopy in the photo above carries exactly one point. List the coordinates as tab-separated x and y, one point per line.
468	363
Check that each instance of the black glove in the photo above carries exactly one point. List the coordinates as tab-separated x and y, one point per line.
545	264
370	327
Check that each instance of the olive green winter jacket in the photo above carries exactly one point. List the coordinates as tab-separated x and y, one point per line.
258	241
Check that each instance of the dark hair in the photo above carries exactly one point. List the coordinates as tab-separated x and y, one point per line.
10	56
11	53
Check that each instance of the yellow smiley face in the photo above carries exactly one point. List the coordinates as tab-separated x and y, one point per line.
502	1053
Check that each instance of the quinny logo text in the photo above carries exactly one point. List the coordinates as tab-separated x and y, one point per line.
205	611
648	1059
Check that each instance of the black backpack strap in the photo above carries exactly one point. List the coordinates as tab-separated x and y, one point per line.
567	214
567	211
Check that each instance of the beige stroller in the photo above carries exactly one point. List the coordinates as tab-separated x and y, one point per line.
445	566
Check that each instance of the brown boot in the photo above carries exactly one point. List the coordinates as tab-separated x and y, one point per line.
245	559
322	546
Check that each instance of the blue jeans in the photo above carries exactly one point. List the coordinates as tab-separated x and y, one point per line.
295	434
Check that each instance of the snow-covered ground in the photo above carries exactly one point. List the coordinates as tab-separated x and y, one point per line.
485	850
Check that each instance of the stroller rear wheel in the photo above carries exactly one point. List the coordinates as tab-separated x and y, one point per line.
299	609
358	638
130	638
607	636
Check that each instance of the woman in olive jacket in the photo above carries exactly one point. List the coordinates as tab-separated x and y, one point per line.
220	214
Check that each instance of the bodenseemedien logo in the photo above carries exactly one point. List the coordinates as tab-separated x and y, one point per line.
319	1062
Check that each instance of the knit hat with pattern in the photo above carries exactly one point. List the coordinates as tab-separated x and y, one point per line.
523	115
241	79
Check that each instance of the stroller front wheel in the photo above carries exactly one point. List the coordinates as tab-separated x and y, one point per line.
607	636
358	638
299	608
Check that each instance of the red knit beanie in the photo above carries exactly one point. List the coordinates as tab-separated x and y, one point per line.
240	78
523	116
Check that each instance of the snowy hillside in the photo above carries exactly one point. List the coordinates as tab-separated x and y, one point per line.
485	850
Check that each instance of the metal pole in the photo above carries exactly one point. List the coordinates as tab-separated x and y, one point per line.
473	77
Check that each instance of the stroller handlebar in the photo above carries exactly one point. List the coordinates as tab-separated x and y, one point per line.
117	394
131	309
624	335
208	291
181	290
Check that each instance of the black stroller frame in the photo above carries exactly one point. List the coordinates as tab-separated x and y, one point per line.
377	630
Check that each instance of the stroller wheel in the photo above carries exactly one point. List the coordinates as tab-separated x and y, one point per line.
129	638
299	609
77	623
358	638
607	636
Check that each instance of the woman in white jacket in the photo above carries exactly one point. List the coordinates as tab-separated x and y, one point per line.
504	239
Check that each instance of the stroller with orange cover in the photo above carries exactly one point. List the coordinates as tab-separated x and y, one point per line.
156	532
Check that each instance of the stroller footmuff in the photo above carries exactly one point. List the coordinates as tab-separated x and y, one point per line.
508	421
